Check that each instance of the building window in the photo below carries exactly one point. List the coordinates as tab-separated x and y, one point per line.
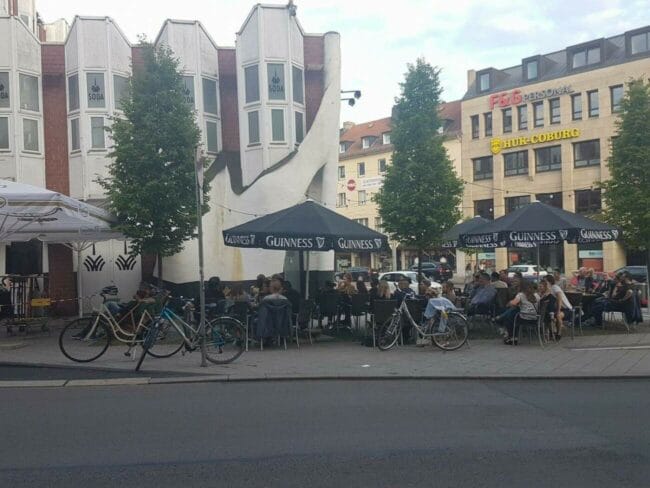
341	172
507	120
277	125
378	224
210	96
382	166
616	94
343	147
212	139
4	90
484	208
531	69
253	127
362	221
538	114
588	201
585	57
28	92
252	82
298	88
97	132
514	203
95	90
487	122
73	93
475	128
4	133
366	142
341	200
640	43
188	90
554	110
75	143
592	100
120	90
484	82
586	153
576	106
30	135
275	74
515	163
482	168
385	138
300	127
552	199
548	159
361	197
361	169
522	116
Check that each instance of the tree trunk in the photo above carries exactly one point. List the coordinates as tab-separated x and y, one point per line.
160	270
419	265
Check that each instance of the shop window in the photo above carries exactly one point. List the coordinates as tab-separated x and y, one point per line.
188	90
522	116
4	133
484	208
300	127
576	106
298	87
95	90
586	153
341	172
75	144
616	95
475	126
585	57
253	127
382	166
361	197
73	93
590	255
120	89
515	163
487	122
277	125
548	159
483	168
4	90
588	201
252	82
97	132
361	169
341	200
592	100
640	43
29	99
212	139
507	120
514	203
275	80
554	110
210	104
538	114
552	199
30	135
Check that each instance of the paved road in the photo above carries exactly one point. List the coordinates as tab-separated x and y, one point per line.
29	373
585	433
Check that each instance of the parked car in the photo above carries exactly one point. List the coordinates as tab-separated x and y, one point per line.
394	276
638	273
435	270
526	270
355	272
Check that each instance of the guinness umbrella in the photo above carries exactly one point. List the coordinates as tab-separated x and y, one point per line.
305	227
450	238
538	224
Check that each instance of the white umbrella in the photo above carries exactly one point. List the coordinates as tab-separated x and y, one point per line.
29	212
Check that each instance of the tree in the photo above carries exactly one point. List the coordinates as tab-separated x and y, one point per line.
421	194
627	194
151	182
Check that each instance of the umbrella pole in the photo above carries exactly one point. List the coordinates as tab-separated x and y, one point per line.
538	265
307	278
79	284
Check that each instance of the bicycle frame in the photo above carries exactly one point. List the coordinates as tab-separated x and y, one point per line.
403	310
118	332
190	342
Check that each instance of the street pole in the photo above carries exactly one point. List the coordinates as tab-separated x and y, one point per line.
199	205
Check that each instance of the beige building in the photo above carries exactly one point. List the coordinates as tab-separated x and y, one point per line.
541	130
364	153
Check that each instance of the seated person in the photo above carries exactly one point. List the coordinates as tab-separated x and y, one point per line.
257	286
448	292
292	295
275	291
383	291
237	294
424	290
264	290
403	291
346	289
525	304
620	300
547	299
563	309
143	295
328	289
496	280
482	300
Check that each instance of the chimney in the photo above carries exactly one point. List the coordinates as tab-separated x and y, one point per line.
347	126
471	78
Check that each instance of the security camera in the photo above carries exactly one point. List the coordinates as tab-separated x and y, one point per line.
357	94
351	102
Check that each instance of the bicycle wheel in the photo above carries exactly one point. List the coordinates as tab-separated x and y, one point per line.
225	339
454	335
85	339
148	341
168	342
388	333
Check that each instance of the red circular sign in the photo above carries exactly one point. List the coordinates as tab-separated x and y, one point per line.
352	185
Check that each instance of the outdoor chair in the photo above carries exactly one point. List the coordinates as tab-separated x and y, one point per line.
536	324
575	299
359	308
241	311
382	310
416	309
328	307
273	320
305	316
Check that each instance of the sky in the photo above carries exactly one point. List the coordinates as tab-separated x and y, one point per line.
379	37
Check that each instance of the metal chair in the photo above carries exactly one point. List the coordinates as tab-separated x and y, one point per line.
328	306
382	310
359	307
575	299
241	311
536	323
416	309
304	316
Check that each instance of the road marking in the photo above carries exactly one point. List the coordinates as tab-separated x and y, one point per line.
608	348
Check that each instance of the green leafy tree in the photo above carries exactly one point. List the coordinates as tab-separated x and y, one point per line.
151	182
421	193
627	193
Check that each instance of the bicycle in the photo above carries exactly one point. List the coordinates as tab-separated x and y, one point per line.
225	337
87	338
448	335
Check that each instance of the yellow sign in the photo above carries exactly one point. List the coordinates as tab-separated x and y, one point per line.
41	302
497	145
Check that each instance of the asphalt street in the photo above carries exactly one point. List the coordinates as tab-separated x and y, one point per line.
28	373
587	433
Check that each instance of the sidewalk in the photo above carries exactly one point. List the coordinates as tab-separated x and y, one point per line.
609	355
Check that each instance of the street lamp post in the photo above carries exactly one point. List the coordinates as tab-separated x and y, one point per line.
199	207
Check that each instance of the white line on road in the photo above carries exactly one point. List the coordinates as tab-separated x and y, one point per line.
608	348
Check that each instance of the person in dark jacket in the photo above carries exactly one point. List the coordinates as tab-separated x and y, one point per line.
292	295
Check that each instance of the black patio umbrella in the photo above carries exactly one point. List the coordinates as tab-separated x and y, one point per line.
538	224
450	238
305	227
